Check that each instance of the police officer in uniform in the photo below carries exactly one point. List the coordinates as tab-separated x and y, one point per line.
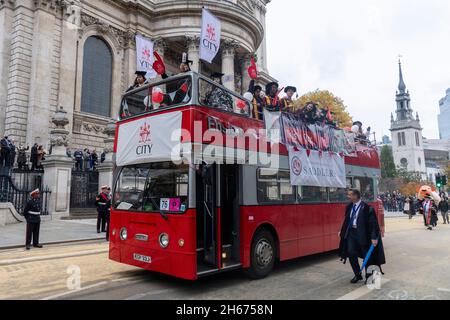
103	203
32	214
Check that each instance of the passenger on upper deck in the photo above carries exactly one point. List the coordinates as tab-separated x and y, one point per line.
257	100
139	81
217	97
286	103
272	100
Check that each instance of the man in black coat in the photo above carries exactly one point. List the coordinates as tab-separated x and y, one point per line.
359	231
32	214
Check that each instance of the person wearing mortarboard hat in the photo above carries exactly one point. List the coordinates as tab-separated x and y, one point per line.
272	100
139	81
258	100
217	97
286	103
32	214
103	204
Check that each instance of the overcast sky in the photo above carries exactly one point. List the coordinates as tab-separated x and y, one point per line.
351	48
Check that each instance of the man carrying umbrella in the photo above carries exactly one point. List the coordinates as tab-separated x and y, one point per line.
360	231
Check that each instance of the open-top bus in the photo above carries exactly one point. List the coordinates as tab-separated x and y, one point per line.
187	200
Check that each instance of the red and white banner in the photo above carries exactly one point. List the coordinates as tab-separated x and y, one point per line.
210	36
144	56
317	169
151	139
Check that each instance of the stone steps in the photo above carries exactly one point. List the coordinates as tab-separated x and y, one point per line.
81	214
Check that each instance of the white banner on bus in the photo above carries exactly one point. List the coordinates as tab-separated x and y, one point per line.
273	126
316	169
155	138
144	56
210	36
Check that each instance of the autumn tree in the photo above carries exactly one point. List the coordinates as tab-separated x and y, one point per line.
325	99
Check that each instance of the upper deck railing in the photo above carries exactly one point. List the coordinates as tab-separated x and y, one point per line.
182	90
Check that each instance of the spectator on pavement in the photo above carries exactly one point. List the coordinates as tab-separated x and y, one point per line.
444	207
22	157
78	155
34	157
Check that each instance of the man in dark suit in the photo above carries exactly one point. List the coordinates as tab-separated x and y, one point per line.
359	231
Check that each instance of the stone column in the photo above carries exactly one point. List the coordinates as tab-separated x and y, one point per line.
19	77
245	63
68	64
58	167
228	55
6	21
193	45
107	167
160	46
41	98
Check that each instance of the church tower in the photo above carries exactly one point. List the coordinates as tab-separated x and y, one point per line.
407	141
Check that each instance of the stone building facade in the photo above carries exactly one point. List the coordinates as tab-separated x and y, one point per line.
54	53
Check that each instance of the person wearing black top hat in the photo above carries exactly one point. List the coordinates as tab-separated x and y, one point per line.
286	103
217	97
272	100
139	81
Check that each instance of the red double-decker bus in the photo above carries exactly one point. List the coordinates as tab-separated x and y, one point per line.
192	199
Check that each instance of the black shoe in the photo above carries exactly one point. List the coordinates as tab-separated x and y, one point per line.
430	228
28	247
39	246
98	231
356	279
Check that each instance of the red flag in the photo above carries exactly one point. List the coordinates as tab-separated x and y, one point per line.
252	70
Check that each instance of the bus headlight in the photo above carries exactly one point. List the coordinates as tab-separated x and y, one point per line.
164	240
123	234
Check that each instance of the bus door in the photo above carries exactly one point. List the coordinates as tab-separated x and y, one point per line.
229	215
207	217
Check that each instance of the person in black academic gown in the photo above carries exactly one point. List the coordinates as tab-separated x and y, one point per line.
139	81
359	231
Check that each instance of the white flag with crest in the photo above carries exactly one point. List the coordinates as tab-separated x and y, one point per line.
210	36
144	56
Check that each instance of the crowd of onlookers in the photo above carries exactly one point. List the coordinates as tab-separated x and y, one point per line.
25	158
12	156
86	160
395	201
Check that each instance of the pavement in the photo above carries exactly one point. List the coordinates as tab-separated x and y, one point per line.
52	231
417	269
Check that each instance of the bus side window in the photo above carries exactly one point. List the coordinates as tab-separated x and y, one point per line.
274	186
313	194
338	195
366	186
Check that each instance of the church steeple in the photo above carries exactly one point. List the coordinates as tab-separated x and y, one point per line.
404	111
401	84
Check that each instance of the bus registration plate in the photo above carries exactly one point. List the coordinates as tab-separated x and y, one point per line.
141	258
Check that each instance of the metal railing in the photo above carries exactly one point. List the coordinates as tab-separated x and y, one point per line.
19	197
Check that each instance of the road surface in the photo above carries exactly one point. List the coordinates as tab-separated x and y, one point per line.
418	264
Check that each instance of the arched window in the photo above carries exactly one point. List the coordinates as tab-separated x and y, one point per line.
97	78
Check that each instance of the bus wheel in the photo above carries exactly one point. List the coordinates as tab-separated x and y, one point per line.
263	253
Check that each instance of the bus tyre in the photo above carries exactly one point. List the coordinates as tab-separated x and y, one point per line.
262	256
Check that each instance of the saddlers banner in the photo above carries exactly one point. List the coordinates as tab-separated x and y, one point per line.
317	169
144	56
301	135
155	138
210	36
